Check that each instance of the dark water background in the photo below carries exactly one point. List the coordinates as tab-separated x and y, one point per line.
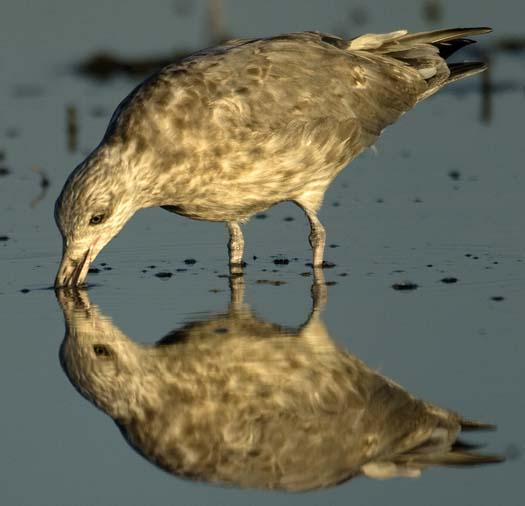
442	197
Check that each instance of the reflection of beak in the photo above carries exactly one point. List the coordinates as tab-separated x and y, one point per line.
73	272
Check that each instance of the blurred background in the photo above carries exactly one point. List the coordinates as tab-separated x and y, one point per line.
440	199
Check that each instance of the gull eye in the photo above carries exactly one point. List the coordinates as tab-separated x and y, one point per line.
102	351
96	219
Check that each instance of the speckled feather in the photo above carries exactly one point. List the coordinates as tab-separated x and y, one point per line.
235	129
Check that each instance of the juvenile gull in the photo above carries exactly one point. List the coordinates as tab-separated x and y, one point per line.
237	400
234	129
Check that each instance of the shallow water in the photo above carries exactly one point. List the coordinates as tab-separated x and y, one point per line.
441	198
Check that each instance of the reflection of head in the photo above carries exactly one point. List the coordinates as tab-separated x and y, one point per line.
237	400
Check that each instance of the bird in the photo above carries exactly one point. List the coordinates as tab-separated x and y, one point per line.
232	130
235	400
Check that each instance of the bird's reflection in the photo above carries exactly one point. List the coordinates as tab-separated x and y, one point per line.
237	400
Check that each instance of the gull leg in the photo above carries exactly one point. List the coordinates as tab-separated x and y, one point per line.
317	238
236	244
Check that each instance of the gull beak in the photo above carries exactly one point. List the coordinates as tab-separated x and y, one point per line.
73	272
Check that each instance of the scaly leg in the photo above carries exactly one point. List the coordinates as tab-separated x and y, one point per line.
236	244
317	238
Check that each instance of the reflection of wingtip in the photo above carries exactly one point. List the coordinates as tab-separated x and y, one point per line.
471	425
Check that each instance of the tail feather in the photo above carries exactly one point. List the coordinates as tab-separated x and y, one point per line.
446	35
426	52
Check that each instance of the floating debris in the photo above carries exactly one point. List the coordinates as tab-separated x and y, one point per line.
449	280
405	286
44	185
72	128
511	44
433	11
270	282
486	92
163	274
12	132
28	90
359	15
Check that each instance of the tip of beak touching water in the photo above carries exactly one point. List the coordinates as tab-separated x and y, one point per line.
73	272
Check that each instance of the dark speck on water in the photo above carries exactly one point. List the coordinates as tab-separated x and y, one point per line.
190	261
430	265
4	238
380	201
289	218
455	175
108	268
181	269
331	283
93	270
343	274
103	264
261	216
405	286
333	245
163	274
497	298
4	171
306	274
449	280
25	290
281	261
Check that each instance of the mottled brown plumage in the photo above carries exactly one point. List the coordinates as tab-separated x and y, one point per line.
233	399
235	129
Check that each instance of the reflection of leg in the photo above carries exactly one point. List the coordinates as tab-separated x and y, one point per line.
317	238
236	292
318	290
236	243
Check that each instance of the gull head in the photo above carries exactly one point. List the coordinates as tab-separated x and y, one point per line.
92	208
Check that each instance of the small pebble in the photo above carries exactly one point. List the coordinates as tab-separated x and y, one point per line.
405	286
